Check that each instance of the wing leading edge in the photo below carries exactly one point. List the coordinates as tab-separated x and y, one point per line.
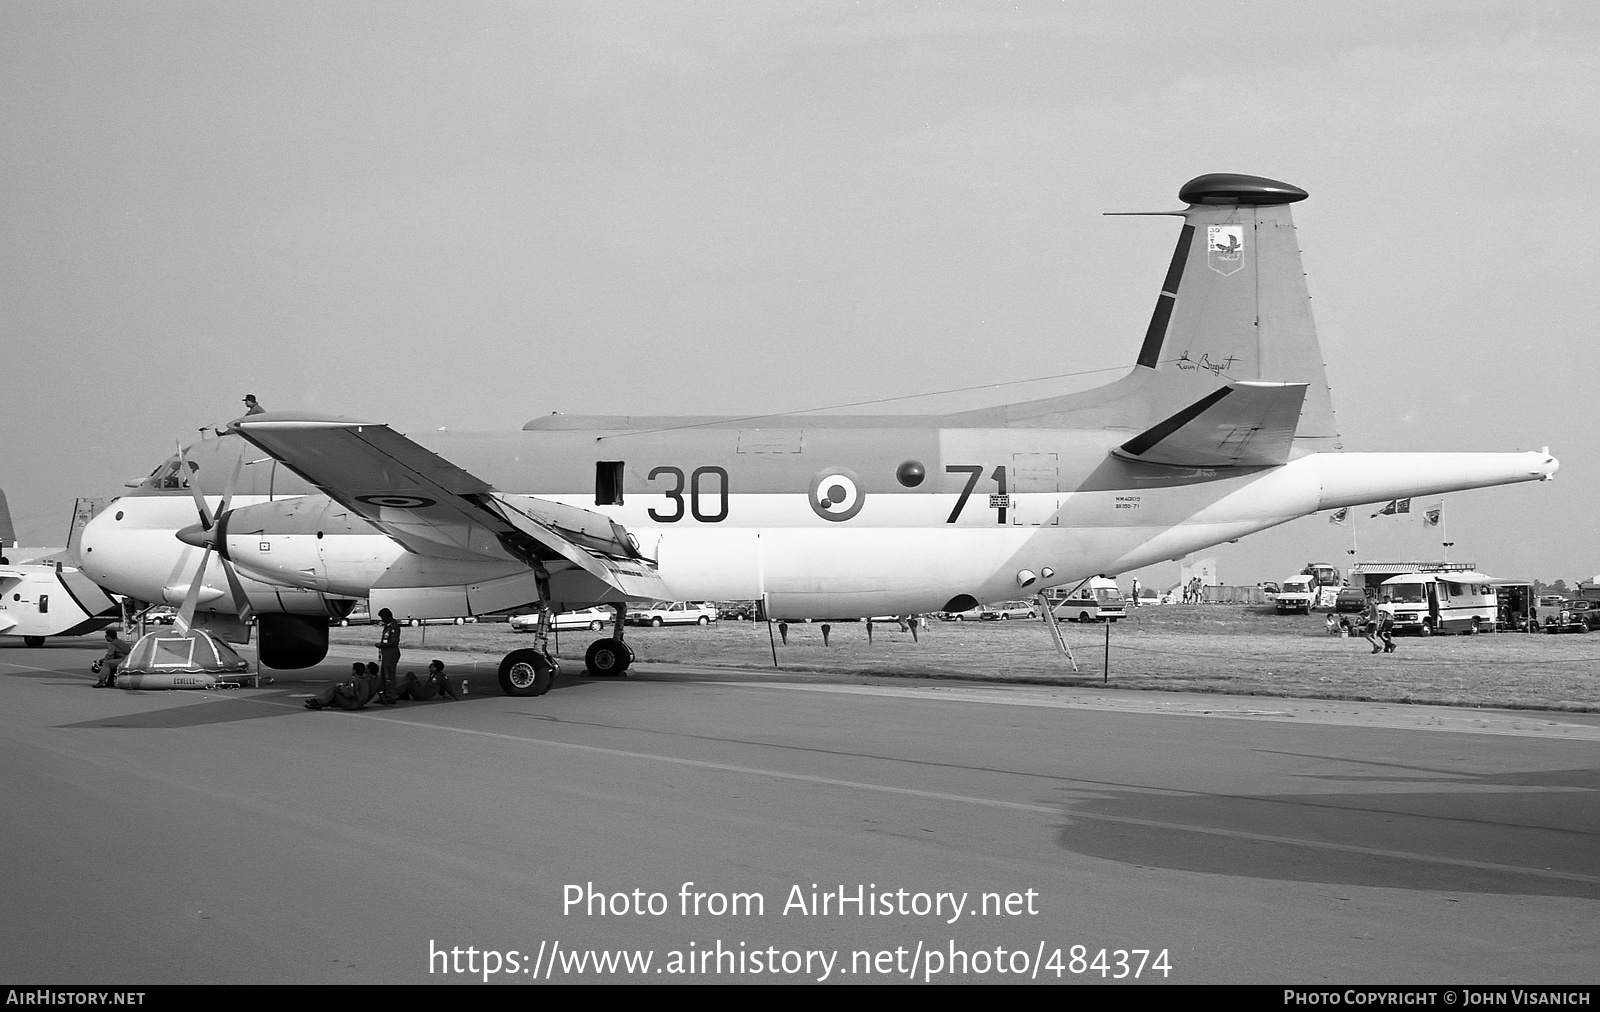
436	509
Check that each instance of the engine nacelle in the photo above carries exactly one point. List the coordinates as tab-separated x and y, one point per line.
292	641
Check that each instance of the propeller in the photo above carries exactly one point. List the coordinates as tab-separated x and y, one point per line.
210	534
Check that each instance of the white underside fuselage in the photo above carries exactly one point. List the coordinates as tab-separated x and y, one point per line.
898	554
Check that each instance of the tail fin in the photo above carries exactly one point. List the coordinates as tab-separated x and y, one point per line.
1233	308
8	534
83	511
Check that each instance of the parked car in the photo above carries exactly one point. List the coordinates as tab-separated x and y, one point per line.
1007	610
972	614
1587	612
673	613
736	611
1350	599
593	619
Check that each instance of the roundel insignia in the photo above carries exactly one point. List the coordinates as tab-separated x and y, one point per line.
836	494
396	502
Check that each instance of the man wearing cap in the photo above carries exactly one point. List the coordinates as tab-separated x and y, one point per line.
250	405
388	656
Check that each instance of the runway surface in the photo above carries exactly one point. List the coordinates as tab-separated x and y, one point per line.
173	837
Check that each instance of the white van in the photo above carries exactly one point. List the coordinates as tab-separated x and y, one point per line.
1296	594
1098	599
1429	603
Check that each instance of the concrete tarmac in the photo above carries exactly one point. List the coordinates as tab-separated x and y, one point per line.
758	827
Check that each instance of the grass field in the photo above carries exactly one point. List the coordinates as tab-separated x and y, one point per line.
1232	649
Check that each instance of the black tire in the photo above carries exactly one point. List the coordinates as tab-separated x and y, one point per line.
656	622
1083	616
608	658
704	620
1427	627
33	641
526	673
1473	629
596	625
1004	617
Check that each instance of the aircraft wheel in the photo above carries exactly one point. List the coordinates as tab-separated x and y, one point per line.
33	641
608	658
526	673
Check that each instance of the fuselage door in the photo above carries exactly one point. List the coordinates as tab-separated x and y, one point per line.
1033	488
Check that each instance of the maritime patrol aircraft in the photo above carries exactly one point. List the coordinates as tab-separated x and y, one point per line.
1224	426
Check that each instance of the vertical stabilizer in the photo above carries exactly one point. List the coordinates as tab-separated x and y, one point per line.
83	511
1233	308
8	535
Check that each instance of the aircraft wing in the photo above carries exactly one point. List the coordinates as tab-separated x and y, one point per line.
436	509
1247	423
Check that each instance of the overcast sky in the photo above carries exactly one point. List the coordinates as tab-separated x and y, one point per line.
470	214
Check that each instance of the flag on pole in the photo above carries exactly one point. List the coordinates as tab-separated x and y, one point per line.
1395	506
1433	517
1339	516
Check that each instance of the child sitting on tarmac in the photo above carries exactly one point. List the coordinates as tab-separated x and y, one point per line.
435	684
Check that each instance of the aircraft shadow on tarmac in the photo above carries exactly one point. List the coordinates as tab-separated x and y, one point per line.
1477	834
192	712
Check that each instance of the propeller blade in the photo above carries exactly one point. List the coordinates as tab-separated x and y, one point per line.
188	477
241	602
191	600
233	483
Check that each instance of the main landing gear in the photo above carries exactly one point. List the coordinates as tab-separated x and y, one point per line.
531	672
527	673
610	657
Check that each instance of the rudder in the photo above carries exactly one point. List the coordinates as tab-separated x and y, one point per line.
1233	307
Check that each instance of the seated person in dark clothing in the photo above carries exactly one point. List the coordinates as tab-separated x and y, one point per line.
350	694
106	667
435	684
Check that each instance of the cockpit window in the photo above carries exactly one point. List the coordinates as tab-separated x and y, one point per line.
170	475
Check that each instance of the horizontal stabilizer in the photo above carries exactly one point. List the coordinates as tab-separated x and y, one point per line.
1244	424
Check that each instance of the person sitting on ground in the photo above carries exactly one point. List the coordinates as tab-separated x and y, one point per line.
435	684
117	651
351	694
